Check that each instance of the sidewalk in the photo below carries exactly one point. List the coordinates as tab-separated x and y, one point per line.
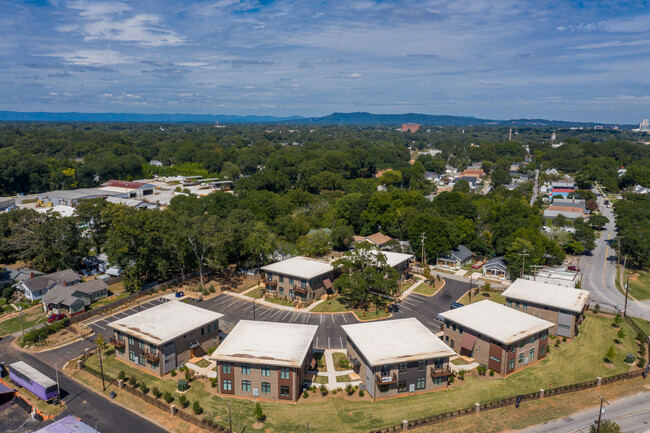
331	372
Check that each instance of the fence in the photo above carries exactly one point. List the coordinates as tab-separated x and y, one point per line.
160	404
421	422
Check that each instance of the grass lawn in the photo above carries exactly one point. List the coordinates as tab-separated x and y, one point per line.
643	324
343	378
340	361
108	300
321	365
573	362
256	294
202	363
425	289
280	301
459	361
31	317
334	305
492	296
5	307
320	379
640	284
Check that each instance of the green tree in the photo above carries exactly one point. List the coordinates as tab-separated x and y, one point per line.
584	234
611	354
391	178
598	221
260	243
258	413
315	244
461	186
606	426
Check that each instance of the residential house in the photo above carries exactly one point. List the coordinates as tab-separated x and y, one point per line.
571	208
496	268
7	204
72	300
560	278
457	258
398	261
563	306
298	278
265	360
36	287
397	357
11	275
378	239
160	339
502	338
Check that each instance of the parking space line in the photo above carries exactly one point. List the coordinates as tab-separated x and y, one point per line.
329	346
308	317
100	327
332	316
404	307
275	313
285	316
296	318
346	320
316	341
321	318
341	340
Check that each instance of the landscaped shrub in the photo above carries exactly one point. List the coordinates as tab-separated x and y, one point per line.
156	392
491	372
183	401
168	397
188	374
343	363
361	393
621	335
323	390
144	388
173	373
213	383
481	369
258	413
349	390
611	354
212	289
450	379
305	394
557	343
133	381
617	320
596	309
641	362
461	374
563	339
334	391
196	407
121	375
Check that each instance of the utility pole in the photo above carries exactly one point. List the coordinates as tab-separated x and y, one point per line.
627	291
99	342
58	389
523	263
470	288
535	270
254	299
423	238
600	412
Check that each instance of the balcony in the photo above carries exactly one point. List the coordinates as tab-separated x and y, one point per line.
273	283
117	343
150	356
299	289
386	380
439	372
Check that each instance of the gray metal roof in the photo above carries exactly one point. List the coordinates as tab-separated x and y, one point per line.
496	262
49	280
461	252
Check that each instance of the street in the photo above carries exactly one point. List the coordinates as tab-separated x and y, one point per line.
631	413
599	271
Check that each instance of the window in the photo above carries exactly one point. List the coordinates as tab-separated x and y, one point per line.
438	362
303	284
511	364
226	368
516	304
460	329
266	370
532	339
531	355
521	357
509	303
284	373
543	337
385	370
269	277
453	326
281	290
512	348
245	385
131	341
451	343
542	350
402	368
521	343
202	331
422	365
266	388
439	380
447	323
245	369
143	361
291	281
421	383
152	349
383	388
141	345
524	305
284	391
227	385
281	279
495	359
447	339
291	293
132	355
401	386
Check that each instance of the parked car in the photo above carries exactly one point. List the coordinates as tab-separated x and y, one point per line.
573	268
55	318
455	305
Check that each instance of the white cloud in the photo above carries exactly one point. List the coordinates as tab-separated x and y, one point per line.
93	57
97	10
612	44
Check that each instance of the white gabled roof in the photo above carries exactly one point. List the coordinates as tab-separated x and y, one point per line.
394	259
299	267
165	322
497	321
552	295
394	341
269	343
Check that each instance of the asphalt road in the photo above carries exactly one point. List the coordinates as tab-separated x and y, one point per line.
599	271
631	413
93	409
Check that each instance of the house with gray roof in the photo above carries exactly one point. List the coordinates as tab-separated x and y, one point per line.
496	268
71	300
457	258
35	288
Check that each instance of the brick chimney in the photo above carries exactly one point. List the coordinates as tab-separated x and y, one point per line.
31	274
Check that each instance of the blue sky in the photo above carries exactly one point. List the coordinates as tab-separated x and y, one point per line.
581	61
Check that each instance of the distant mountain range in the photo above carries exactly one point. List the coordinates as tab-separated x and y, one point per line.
360	118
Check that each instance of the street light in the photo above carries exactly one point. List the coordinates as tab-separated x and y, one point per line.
600	412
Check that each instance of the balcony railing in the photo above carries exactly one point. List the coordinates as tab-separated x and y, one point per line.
153	357
386	380
438	372
270	282
117	343
300	289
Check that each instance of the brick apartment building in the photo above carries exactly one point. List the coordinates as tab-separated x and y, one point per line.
298	278
502	338
265	360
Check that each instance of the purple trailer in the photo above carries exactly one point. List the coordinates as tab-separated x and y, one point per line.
33	380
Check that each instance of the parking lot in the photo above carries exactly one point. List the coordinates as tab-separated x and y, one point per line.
330	335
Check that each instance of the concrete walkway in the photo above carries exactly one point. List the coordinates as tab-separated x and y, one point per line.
203	371
331	372
415	285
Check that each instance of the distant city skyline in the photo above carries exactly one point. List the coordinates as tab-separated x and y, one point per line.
496	60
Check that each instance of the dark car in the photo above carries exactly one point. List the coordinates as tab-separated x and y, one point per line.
455	305
573	268
55	318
